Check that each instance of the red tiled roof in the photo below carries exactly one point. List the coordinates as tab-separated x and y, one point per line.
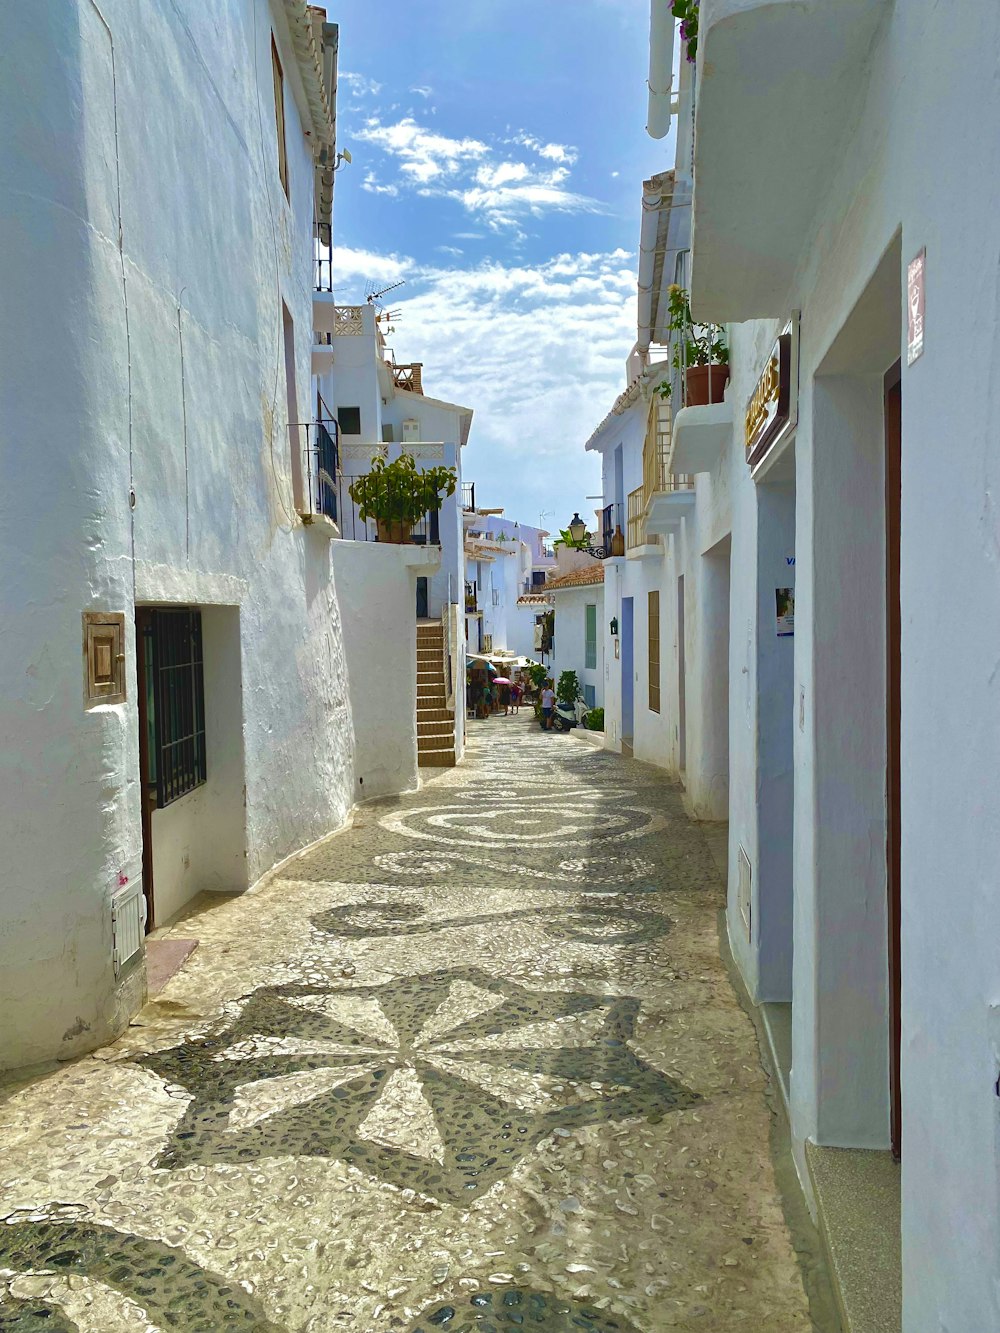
577	578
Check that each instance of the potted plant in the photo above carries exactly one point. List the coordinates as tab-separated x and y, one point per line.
397	495
687	12
568	688
700	350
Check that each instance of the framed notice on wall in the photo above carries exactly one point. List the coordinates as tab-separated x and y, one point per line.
784	599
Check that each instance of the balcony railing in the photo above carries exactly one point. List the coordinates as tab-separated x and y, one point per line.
394	522
322	257
636	533
611	520
471	601
320	469
468	495
409	377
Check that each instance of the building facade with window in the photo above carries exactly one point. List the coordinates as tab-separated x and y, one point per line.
175	717
579	645
505	561
854	452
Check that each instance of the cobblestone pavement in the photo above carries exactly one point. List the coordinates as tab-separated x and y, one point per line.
473	1064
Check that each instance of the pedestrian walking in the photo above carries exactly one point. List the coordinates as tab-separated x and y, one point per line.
548	704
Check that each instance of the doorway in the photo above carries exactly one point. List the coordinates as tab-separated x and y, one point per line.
422	598
846	847
681	691
893	402
628	672
191	761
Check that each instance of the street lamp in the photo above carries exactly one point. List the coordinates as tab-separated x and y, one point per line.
577	530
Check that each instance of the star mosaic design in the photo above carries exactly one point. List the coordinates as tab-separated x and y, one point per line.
174	1291
439	1083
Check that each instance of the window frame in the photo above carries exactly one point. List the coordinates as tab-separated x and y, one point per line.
342	428
653	662
175	702
589	644
278	78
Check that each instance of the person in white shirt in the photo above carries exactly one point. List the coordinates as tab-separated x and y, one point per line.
548	704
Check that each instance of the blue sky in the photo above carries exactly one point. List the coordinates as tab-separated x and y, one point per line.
499	152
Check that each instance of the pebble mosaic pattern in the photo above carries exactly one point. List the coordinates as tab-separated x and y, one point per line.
470	1064
513	1309
457	1050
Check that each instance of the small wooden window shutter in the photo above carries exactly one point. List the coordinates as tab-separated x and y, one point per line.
653	618
103	657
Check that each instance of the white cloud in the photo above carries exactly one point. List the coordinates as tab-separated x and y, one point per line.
552	152
359	85
422	90
372	185
449	250
422	153
538	350
489	185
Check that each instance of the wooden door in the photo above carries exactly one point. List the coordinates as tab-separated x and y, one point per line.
893	490
143	635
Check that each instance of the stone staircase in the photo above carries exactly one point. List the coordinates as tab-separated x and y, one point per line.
435	720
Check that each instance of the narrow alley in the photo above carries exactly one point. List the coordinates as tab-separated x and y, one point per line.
473	1063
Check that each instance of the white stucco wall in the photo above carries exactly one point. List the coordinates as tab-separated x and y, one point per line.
876	213
210	249
571	633
376	588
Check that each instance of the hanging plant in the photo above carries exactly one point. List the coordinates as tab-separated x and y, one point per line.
687	12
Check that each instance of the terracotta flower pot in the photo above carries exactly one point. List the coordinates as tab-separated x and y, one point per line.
395	530
706	384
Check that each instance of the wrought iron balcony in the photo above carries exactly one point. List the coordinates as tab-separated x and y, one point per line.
322	257
321	470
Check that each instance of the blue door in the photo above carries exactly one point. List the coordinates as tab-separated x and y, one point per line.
628	669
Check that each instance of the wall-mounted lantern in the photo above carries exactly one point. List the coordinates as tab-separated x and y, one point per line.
614	626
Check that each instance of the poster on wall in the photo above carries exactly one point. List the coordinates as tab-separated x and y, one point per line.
785	605
915	307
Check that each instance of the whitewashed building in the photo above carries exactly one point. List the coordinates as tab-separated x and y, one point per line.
372	406
506	562
578	645
841	530
176	715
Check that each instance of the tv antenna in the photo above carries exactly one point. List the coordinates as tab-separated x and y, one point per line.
372	296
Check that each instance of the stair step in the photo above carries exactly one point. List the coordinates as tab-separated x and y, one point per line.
438	726
431	744
436	759
430	713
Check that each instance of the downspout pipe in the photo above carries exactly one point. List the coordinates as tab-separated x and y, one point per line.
651	202
661	64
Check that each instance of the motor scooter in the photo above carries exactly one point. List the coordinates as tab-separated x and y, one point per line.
566	716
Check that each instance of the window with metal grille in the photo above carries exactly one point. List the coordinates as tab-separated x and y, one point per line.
653	617
590	646
590	696
175	701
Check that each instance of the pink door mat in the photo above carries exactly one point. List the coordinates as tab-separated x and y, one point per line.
164	958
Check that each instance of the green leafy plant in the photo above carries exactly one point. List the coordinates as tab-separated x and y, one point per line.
687	12
595	719
698	344
568	689
538	675
399	493
565	539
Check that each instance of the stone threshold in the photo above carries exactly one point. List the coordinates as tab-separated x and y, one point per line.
856	1191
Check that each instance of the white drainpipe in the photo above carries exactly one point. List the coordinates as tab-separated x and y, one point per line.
647	257
661	63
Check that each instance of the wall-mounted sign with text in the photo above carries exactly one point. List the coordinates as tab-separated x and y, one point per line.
772	411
